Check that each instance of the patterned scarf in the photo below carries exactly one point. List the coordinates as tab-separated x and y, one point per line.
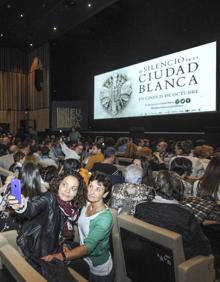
70	217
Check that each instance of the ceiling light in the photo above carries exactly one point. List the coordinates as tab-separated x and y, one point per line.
89	5
54	28
1	35
9	6
21	15
31	44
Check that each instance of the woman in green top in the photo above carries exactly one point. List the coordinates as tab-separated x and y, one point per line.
95	223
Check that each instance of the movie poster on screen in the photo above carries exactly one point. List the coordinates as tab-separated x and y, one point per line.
182	82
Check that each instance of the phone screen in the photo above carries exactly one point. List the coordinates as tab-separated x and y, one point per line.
16	189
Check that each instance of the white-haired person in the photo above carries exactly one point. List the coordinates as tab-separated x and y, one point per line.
127	195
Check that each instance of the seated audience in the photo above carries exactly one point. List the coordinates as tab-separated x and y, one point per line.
209	184
47	175
131	150
184	149
72	165
19	159
96	155
7	160
147	177
127	195
106	166
204	153
163	209
182	167
121	144
159	156
71	153
144	152
45	160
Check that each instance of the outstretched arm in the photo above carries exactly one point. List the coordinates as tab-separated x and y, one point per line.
77	252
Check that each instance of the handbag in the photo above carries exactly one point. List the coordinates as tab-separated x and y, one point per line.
53	271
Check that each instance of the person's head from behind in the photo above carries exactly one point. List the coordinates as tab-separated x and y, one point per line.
181	166
197	151
109	154
168	186
45	151
48	173
19	157
141	161
206	151
3	150
183	147
25	147
210	181
131	150
133	174
144	152
99	188
13	149
30	180
49	144
70	188
109	142
71	165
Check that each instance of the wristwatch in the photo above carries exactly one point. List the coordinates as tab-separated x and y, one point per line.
64	256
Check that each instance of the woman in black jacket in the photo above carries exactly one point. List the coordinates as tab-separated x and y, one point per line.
51	215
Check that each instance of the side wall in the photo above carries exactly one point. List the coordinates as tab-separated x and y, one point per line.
19	100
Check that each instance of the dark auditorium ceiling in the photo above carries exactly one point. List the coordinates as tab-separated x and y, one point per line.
27	24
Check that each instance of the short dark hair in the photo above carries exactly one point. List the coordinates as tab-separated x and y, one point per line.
181	165
109	152
98	146
45	151
102	178
185	145
48	173
18	156
71	165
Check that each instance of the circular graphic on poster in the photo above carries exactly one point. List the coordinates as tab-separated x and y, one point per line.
115	93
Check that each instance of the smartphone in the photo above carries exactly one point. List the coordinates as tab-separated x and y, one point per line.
16	189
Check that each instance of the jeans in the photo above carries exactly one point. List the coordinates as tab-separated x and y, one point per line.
106	278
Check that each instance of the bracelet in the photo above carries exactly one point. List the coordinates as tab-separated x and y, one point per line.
64	256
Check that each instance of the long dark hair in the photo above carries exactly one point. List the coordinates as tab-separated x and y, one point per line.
71	165
80	199
30	180
168	186
210	181
181	166
147	172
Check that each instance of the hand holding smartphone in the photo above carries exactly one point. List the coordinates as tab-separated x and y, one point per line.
16	189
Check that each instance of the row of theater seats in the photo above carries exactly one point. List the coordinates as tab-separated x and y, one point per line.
141	252
22	271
